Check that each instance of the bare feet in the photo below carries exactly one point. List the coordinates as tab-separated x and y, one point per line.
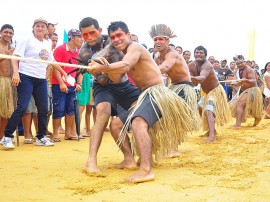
205	135
209	140
235	127
257	121
126	164
174	153
93	171
140	176
87	134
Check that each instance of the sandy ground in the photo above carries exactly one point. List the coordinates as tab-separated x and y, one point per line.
234	168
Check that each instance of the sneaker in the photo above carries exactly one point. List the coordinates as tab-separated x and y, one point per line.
44	142
1	141
7	143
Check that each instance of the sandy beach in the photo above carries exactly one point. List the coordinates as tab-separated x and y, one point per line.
234	168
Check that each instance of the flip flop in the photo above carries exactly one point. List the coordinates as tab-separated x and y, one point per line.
56	139
86	135
71	138
28	141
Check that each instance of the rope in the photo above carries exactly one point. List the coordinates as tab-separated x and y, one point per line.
12	57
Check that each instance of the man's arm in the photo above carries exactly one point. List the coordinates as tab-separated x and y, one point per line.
203	74
168	63
58	68
129	60
63	86
79	82
16	77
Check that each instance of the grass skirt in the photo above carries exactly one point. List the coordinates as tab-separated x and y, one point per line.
173	127
6	98
222	109
191	100
254	104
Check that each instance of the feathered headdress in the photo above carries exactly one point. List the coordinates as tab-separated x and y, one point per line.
238	57
161	30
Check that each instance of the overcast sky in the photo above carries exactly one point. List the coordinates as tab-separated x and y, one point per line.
221	26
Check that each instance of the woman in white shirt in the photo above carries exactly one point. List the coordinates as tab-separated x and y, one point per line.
30	79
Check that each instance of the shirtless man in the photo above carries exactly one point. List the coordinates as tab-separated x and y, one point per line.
106	96
148	109
250	100
214	104
6	98
174	65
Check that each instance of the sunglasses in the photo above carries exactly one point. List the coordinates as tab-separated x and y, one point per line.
117	35
159	39
86	35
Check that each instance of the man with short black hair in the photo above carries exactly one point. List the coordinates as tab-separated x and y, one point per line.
108	94
214	106
6	97
51	28
224	73
155	101
187	55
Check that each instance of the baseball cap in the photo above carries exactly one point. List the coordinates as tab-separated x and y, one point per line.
74	32
54	24
223	59
41	20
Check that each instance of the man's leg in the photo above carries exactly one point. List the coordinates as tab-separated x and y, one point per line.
70	131
58	111
88	119
27	123
103	115
211	125
115	127
56	124
240	107
144	144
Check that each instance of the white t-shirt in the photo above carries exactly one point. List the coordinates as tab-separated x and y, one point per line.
35	49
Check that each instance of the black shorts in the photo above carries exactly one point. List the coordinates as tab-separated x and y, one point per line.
123	94
182	92
151	114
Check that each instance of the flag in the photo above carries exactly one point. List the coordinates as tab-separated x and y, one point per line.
65	38
251	45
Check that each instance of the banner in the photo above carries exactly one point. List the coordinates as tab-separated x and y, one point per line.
65	38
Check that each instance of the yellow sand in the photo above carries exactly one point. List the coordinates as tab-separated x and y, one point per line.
235	168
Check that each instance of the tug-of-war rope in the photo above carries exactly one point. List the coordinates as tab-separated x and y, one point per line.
12	57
